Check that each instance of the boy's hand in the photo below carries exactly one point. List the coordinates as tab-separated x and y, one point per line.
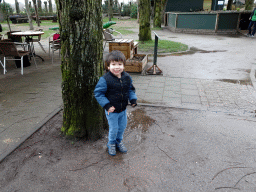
133	105
111	110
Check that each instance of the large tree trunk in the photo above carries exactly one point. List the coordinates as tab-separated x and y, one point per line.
17	7
249	4
229	6
157	13
110	9
31	27
144	30
80	25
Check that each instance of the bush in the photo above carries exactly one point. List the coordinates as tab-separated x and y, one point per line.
126	11
134	10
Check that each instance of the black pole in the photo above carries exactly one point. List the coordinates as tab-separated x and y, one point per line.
155	49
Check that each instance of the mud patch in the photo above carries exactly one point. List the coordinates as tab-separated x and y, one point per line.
236	81
139	120
191	51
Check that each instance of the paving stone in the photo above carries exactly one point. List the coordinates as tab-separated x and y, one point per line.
190	99
159	90
189	92
171	94
153	97
172	100
156	84
188	86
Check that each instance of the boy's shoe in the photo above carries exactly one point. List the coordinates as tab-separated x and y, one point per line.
248	35
120	147
252	35
111	149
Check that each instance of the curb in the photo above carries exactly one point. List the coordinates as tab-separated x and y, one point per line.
35	129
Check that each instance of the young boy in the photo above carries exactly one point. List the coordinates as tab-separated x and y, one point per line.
113	91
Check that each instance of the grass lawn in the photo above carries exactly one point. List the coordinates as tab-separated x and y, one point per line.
164	46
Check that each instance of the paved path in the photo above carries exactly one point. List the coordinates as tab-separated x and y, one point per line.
214	82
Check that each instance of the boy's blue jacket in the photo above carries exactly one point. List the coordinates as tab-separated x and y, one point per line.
112	91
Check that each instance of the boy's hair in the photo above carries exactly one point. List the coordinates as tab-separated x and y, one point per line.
115	56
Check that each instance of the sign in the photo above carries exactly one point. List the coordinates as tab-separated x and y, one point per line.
220	2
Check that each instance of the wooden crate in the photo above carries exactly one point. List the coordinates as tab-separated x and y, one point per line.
136	66
123	45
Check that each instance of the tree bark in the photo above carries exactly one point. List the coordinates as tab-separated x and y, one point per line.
31	27
81	30
6	13
249	4
36	12
157	13
138	11
17	6
39	4
50	6
229	6
110	9
45	7
144	30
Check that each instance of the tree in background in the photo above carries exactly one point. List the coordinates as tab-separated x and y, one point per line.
7	10
39	5
229	6
36	12
31	27
45	7
249	4
144	21
80	25
110	9
50	6
17	7
157	13
159	8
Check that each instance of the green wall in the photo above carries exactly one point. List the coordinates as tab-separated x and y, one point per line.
196	21
228	20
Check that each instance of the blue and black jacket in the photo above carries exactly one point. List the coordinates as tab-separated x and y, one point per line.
113	91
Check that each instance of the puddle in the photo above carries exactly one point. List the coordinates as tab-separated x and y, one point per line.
139	119
235	81
191	51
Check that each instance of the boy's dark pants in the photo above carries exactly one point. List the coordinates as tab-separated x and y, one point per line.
252	23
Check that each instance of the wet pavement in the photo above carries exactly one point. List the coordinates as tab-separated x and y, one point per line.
207	129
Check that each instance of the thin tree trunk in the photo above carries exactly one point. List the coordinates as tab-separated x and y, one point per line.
144	30
39	4
50	6
36	12
7	17
17	6
110	9
80	25
31	27
138	11
45	7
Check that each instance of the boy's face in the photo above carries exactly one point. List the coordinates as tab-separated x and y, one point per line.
116	67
